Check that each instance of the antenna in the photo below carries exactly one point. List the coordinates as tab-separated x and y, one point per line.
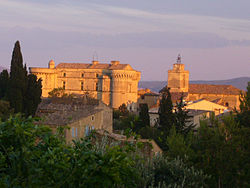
95	56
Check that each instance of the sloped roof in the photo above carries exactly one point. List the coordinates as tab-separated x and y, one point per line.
213	89
61	111
94	66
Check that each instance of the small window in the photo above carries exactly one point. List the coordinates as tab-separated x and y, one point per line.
142	97
82	88
82	75
76	132
73	132
96	86
64	74
92	118
64	84
87	131
97	75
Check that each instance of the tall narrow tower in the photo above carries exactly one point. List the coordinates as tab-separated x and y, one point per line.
178	78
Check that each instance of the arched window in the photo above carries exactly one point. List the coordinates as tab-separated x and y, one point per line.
64	74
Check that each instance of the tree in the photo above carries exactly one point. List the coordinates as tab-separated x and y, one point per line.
143	115
182	123
57	92
123	109
5	110
18	80
23	91
243	116
32	95
166	115
4	83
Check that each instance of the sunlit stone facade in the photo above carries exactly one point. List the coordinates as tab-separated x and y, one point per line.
112	83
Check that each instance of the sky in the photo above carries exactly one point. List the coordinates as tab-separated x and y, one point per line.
212	36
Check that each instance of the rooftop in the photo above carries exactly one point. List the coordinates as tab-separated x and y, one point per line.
63	111
213	89
94	66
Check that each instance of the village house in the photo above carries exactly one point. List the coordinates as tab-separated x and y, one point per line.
77	115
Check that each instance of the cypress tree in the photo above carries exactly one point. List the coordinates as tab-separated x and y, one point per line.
4	83
166	115
18	81
144	116
182	120
24	92
33	95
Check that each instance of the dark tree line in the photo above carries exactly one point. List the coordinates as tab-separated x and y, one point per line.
22	90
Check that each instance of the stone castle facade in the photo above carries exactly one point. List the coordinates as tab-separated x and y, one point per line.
113	83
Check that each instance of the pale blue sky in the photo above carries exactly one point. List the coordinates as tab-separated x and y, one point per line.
213	36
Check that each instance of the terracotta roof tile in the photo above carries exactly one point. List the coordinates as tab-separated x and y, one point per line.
213	89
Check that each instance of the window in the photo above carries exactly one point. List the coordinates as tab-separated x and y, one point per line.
64	74
92	118
82	88
97	75
87	130
74	132
82	75
64	84
96	86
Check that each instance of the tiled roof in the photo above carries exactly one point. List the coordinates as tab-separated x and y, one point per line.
175	96
213	89
60	111
94	66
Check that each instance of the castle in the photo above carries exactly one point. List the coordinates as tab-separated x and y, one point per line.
113	83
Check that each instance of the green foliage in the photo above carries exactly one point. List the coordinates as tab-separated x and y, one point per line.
57	92
4	82
18	81
32	95
21	90
219	148
123	110
182	122
243	116
163	172
31	156
143	115
5	110
179	145
166	115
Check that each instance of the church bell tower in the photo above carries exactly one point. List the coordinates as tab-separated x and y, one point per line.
178	77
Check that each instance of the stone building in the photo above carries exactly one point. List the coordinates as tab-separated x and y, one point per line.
113	83
80	115
178	82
